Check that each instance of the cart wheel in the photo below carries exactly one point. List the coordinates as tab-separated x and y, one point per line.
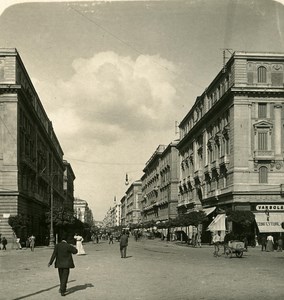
228	252
239	254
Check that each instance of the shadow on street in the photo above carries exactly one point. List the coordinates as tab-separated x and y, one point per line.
79	288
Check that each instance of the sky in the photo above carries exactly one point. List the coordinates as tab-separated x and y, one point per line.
114	77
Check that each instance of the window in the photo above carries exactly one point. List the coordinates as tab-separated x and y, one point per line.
262	141
262	110
263	175
261	75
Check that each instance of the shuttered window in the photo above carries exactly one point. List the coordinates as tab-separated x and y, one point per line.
262	110
263	175
261	75
262	141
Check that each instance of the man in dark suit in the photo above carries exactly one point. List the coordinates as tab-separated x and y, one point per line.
123	244
62	254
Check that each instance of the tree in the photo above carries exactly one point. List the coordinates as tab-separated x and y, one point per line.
18	223
64	221
244	218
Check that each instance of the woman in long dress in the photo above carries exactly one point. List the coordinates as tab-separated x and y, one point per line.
79	239
270	244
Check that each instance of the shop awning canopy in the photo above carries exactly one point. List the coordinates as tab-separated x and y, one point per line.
271	223
209	210
218	224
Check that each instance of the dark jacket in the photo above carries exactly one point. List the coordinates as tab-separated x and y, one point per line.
124	240
62	254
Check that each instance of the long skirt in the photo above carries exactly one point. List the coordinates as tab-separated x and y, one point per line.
269	246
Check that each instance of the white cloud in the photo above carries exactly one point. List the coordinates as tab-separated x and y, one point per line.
109	95
112	113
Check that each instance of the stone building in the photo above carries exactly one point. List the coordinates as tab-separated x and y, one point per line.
31	158
160	184
232	141
82	211
132	203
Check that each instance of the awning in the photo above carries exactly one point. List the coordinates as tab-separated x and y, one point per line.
209	210
271	223
218	224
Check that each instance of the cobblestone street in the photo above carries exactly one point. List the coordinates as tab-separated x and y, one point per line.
153	270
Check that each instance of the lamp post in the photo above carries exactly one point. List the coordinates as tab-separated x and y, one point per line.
267	213
51	233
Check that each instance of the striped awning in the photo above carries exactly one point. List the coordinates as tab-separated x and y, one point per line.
218	224
271	223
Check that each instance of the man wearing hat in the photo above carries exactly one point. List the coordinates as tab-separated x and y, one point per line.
62	254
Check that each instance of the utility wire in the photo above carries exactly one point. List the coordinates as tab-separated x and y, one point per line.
123	42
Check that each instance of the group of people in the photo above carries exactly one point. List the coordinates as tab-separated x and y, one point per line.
30	243
62	255
268	243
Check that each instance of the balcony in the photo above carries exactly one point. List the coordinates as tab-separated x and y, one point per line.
207	170
224	160
215	166
264	155
198	176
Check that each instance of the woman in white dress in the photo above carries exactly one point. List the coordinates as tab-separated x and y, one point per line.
270	244
79	239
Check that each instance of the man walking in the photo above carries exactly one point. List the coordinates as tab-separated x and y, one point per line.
123	244
62	254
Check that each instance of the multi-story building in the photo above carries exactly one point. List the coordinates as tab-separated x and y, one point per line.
232	141
31	158
160	184
132	201
69	178
123	211
113	216
82	211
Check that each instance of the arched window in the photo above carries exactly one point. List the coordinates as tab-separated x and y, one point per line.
261	75
263	175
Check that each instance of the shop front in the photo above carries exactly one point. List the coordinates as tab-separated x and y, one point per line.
269	219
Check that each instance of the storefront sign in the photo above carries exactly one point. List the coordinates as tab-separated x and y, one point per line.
271	224
270	207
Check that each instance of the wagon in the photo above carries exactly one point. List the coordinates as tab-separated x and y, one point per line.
235	247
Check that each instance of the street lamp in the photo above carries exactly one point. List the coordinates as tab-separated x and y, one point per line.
267	213
51	233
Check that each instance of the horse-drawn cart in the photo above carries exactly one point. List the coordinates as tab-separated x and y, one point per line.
235	247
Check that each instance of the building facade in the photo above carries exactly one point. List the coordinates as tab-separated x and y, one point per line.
69	178
82	211
132	203
232	141
31	158
160	184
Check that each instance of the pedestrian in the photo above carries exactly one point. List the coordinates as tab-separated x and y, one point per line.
245	240
32	242
18	243
4	242
280	244
79	240
270	244
110	239
123	244
198	240
27	242
62	254
216	242
263	243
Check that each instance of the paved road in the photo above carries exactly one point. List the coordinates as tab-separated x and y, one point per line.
153	270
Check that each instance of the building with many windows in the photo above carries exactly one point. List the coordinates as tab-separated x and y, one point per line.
232	141
132	203
31	159
82	211
160	184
